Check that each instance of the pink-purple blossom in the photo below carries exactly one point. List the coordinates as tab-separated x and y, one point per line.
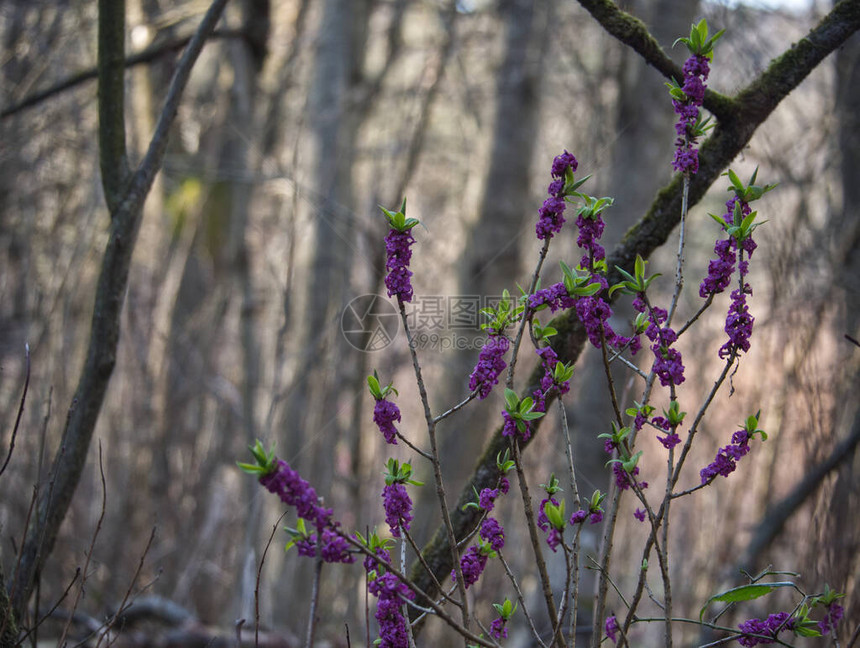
384	414
491	363
551	214
398	507
398	281
696	71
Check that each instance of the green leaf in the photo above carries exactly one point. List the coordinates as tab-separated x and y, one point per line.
719	219
743	593
511	400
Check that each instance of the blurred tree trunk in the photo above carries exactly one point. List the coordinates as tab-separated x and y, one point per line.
246	57
492	257
844	539
311	419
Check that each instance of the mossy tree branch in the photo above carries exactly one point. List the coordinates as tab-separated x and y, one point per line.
124	194
737	120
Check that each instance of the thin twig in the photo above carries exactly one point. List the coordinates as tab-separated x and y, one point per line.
427	567
437	467
457	407
20	408
259	578
521	600
124	604
89	556
315	595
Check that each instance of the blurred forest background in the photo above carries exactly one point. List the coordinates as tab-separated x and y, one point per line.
300	118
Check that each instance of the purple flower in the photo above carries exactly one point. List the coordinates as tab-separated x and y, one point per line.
389	610
696	70
287	484
739	323
398	507
725	462
498	629
670	440
504	485
551	213
371	564
554	538
831	619
611	628
551	217
555	296
472	564
562	163
398	280
596	517
720	270
639	514
578	517
487	498
493	533
767	629
590	231
384	414
490	365
542	519
624	480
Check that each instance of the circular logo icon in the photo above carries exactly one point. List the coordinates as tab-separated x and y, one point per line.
369	322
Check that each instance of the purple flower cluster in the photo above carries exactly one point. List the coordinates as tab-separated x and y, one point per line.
696	71
490	365
472	564
767	629
594	313
831	619
671	439
668	363
549	359
623	478
509	429
590	231
739	323
289	486
721	269
725	462
551	213
384	414
498	629
639	514
488	496
493	533
389	610
611	628
398	280
554	536
555	297
594	517
398	507
334	549
542	519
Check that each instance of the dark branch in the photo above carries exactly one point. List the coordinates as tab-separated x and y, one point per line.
148	55
632	32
